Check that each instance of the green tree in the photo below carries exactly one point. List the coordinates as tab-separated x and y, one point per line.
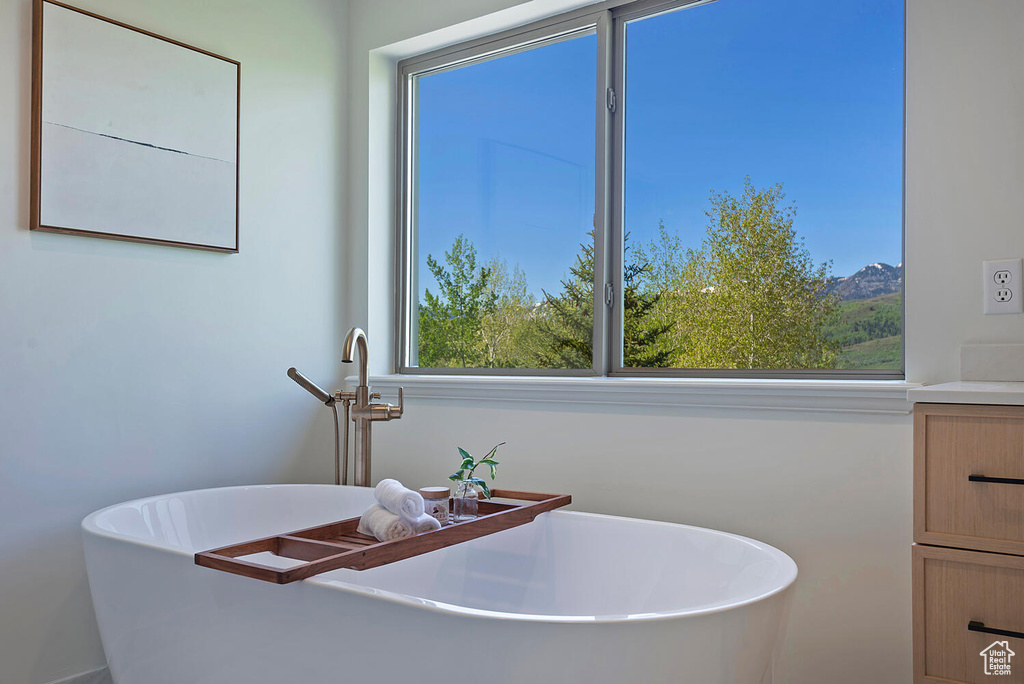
666	258
567	320
646	338
750	296
450	322
510	330
567	327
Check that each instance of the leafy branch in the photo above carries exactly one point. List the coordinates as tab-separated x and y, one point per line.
469	465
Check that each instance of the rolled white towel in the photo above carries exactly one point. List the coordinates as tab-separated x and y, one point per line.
381	523
399	500
425	523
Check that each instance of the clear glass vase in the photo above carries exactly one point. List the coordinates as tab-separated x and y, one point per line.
467	496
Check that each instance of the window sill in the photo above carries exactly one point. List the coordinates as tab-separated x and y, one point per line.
830	396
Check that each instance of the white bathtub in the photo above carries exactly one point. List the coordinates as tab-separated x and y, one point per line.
569	598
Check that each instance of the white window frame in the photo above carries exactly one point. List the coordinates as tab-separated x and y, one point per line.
608	21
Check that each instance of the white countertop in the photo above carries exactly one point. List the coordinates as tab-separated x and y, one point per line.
969	393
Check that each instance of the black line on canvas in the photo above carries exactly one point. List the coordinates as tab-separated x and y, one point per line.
136	142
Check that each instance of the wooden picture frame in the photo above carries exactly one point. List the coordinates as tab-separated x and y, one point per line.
135	136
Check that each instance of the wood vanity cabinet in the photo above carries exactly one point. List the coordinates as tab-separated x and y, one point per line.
968	556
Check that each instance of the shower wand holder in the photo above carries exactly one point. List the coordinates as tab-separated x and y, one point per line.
338	545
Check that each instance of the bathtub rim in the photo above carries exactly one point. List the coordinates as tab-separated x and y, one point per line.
788	567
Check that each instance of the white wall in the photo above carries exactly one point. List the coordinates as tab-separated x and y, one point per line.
128	370
965	171
833	490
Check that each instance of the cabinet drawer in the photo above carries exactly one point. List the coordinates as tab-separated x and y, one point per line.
955	589
952	443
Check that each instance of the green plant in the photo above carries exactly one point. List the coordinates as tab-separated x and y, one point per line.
567	323
751	296
470	464
450	322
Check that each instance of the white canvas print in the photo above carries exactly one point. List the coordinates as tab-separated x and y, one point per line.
137	135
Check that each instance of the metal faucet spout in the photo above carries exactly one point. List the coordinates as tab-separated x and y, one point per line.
356	338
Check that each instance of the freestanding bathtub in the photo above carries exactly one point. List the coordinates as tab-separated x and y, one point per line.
567	599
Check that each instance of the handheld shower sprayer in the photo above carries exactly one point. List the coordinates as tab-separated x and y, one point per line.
328	399
305	383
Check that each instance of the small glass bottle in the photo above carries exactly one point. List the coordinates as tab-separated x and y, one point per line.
435	501
465	501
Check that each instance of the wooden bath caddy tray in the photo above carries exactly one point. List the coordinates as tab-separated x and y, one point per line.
337	545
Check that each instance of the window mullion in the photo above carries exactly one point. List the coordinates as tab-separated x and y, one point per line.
604	270
614	203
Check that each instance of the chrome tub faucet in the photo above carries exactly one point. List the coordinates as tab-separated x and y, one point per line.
363	412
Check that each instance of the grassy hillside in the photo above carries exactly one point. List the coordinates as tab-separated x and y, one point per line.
870	332
883	353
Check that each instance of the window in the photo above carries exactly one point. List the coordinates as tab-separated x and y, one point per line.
726	176
503	154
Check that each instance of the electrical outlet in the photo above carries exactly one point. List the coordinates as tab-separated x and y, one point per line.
1004	286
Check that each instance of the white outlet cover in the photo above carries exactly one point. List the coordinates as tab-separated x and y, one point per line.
996	286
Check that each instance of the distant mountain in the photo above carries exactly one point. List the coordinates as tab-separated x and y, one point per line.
871	281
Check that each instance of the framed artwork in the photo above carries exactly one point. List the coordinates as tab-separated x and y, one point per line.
134	135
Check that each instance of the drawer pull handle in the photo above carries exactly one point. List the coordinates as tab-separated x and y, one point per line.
976	626
995	480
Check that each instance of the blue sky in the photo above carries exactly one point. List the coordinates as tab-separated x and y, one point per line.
802	92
